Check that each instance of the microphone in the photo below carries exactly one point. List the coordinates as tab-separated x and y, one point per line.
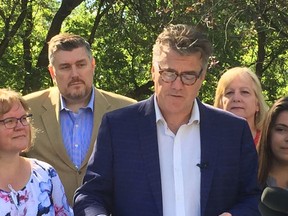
202	165
276	199
266	211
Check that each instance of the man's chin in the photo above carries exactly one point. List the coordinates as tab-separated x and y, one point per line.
76	95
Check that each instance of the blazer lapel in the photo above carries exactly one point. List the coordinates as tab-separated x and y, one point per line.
149	147
101	105
209	151
52	124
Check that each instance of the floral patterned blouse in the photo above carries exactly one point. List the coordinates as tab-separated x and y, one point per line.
43	195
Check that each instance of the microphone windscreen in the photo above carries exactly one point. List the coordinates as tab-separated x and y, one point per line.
275	198
265	211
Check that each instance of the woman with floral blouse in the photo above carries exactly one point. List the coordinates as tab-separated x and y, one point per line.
27	186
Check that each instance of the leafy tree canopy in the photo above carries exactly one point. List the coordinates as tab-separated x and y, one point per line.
121	32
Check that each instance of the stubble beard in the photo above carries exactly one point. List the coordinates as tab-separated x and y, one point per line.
78	94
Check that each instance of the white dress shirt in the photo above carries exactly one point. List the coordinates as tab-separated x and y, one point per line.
179	155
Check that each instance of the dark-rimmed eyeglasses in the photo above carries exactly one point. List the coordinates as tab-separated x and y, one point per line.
187	78
12	122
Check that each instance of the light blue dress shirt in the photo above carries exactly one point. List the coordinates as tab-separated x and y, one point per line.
77	130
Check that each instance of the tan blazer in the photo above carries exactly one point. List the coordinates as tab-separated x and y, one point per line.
45	106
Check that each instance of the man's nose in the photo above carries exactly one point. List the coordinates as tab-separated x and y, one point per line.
74	70
177	83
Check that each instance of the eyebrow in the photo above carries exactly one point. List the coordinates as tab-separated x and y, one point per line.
77	62
281	124
241	88
81	60
173	70
16	117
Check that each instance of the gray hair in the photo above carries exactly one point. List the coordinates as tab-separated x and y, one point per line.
185	40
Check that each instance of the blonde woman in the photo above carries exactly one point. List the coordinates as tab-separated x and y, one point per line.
239	91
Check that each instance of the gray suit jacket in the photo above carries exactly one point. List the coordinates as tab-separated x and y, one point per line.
49	147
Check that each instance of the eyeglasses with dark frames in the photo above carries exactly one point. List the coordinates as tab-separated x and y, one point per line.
11	122
187	78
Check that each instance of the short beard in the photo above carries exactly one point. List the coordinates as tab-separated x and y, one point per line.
78	95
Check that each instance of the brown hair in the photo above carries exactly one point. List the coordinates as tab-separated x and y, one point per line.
67	42
264	147
7	99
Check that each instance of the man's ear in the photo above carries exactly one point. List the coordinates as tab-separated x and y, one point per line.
52	74
203	75
152	72
93	65
93	62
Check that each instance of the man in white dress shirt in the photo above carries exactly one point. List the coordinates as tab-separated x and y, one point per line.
172	155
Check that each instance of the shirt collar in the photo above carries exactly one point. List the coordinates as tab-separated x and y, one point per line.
89	105
195	115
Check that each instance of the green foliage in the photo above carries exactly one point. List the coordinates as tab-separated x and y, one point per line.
12	68
80	21
244	33
123	54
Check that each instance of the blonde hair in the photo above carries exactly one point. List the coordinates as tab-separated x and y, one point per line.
227	78
7	99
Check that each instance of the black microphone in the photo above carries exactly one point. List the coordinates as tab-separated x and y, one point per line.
266	211
202	165
276	199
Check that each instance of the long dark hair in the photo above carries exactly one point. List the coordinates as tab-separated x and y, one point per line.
264	147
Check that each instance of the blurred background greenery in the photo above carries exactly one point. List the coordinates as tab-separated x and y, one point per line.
249	33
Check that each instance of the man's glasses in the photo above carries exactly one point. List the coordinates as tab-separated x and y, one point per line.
11	122
187	78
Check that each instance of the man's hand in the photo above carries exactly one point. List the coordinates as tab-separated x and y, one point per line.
225	214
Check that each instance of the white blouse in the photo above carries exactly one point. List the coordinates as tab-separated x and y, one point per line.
43	195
